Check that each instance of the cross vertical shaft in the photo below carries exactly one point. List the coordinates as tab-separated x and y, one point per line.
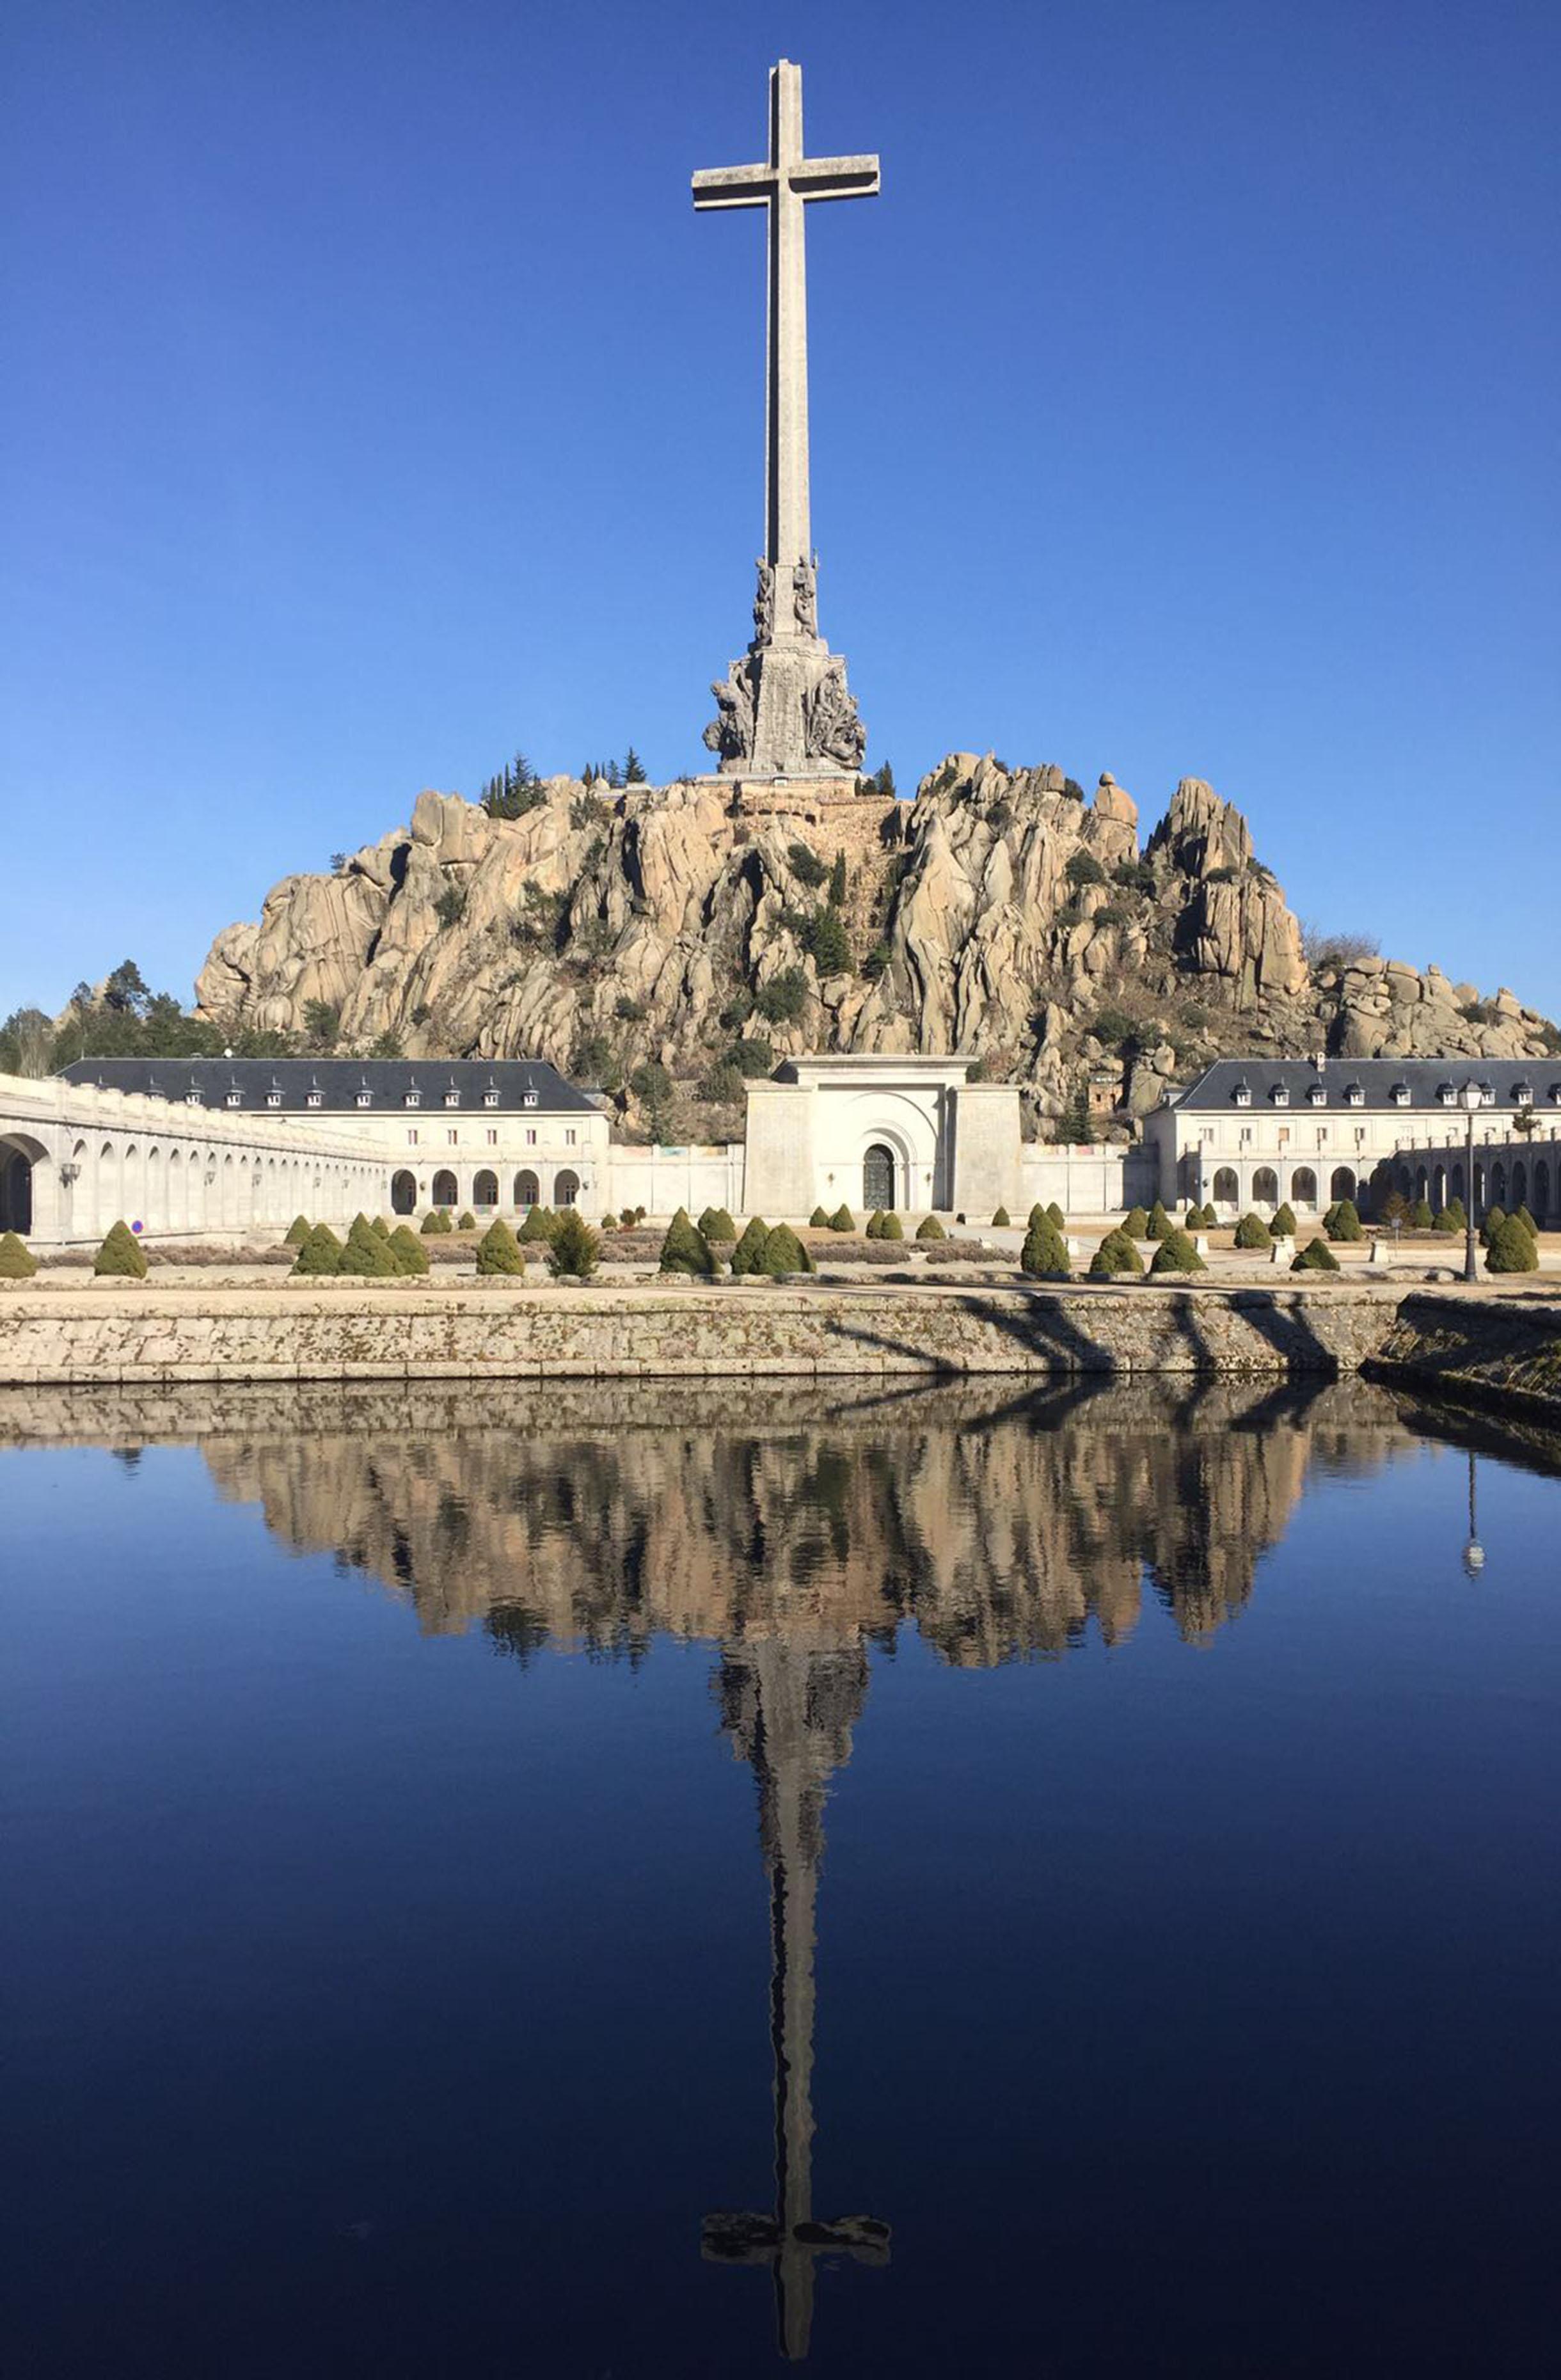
788	537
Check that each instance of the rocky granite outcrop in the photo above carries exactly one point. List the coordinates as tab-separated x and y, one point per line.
999	912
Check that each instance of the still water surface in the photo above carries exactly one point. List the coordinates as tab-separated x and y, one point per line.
493	1878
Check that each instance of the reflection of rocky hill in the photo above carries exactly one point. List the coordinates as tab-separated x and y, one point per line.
1000	1528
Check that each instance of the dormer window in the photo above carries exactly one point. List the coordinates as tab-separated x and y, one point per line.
1524	1094
452	1098
313	1099
234	1098
1399	1094
273	1096
530	1100
490	1098
192	1098
365	1097
1487	1095
1242	1095
1317	1096
1354	1096
413	1100
1554	1095
1280	1095
1446	1094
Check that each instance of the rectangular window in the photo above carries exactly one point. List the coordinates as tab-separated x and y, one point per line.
531	1140
454	1138
569	1139
411	1140
492	1140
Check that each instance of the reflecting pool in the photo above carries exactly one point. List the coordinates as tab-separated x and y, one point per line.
603	1880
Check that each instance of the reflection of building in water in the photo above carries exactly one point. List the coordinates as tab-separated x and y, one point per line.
788	1707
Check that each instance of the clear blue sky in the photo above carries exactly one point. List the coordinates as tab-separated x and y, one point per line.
375	403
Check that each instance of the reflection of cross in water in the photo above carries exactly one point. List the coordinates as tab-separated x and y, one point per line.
788	1709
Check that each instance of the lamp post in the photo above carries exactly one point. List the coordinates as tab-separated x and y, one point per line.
1470	1096
1473	1553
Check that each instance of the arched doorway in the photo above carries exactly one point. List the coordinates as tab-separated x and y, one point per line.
1498	1184
1265	1186
1303	1186
527	1190
566	1189
485	1189
1227	1189
1439	1188
404	1192
1519	1185
877	1179
1341	1183
1542	1190
1458	1187
18	1155
444	1191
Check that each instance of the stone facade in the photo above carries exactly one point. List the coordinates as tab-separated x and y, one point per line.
913	1134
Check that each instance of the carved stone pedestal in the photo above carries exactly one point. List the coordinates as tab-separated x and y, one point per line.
785	710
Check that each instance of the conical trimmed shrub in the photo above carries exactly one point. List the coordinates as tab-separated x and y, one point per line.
717	1226
1284	1225
411	1257
891	1228
784	1253
1176	1253
1511	1248
1057	1219
843	1220
17	1260
121	1257
1251	1232
467	1222
297	1232
929	1228
685	1249
1421	1216
499	1252
1346	1224
1045	1255
320	1254
875	1225
819	1221
1114	1254
365	1255
538	1225
1448	1221
1159	1226
1001	1220
436	1222
1135	1223
1528	1222
1315	1256
747	1254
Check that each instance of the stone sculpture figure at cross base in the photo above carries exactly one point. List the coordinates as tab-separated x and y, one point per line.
784	708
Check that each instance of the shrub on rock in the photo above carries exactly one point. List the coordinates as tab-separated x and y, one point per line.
784	1253
715	1224
1284	1225
321	1253
365	1254
685	1249
1251	1232
1044	1253
843	1220
1346	1224
1114	1254
297	1232
574	1248
1135	1223
1000	1220
499	1252
746	1256
929	1228
1315	1256
1176	1253
411	1257
121	1257
1159	1225
1511	1248
17	1260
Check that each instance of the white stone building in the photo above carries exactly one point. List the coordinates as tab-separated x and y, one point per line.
881	1131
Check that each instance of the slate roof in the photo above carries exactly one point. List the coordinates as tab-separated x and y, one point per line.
1512	1083
338	1081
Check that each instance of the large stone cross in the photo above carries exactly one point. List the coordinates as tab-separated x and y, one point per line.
784	183
785	710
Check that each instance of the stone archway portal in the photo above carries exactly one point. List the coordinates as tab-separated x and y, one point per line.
877	1179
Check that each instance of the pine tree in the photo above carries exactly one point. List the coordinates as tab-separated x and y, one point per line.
575	1248
634	767
837	882
1078	1125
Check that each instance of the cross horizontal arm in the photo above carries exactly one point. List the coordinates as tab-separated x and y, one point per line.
735	185
835	177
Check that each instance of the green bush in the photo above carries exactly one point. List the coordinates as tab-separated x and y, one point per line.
1251	1232
1346	1224
1159	1226
1176	1253
1058	1220
716	1226
1001	1220
321	1253
499	1251
574	1248
1528	1222
1284	1225
747	1254
467	1222
1494	1215
627	1218
1448	1221
121	1257
539	1223
929	1228
1114	1254
843	1220
297	1232
685	1249
1043	1255
1459	1213
436	1222
1193	1220
1315	1256
819	1221
891	1228
1135	1223
17	1260
411	1257
1420	1216
382	1227
365	1254
874	1230
784	1253
1511	1248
